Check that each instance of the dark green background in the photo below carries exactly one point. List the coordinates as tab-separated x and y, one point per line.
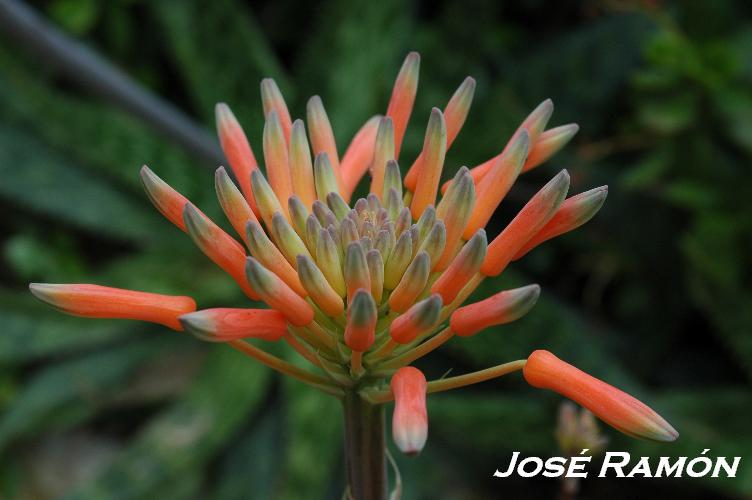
652	295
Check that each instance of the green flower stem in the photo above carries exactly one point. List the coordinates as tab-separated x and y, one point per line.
365	448
408	357
301	349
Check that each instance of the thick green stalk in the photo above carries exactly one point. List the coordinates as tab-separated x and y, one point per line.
365	448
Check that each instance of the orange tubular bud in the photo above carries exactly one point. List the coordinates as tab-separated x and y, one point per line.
410	418
411	284
234	205
615	407
268	254
526	224
360	331
277	294
417	320
357	274
224	324
492	189
573	213
504	307
237	150
357	158
277	162
301	166
403	97
463	268
319	289
455	114
169	202
219	246
548	144
434	152
272	100
383	153
94	301
322	136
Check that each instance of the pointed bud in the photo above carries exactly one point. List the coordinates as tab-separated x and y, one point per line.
384	243
322	136
394	204
383	153
298	215
276	159
324	178
268	254
234	205
328	259
313	229
463	268
398	261
434	242
358	156
287	239
361	321
404	221
412	283
94	301
455	209
392	179
617	408
376	272
236	148
533	216
573	213
337	205
356	270
266	200
403	97
425	222
272	100
420	319
323	214
319	288
410	418
496	184
169	202
348	233
225	324
301	167
219	246
504	307
548	144
429	175
277	294
455	114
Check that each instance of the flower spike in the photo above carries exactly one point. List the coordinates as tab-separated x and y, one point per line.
237	150
224	324
403	97
617	408
410	418
95	301
504	307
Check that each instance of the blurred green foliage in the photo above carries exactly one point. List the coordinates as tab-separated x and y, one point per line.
653	295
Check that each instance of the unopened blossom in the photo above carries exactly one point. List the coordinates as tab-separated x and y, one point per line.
361	287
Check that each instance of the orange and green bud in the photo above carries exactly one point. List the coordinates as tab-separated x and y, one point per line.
455	209
318	287
328	259
499	309
420	319
169	202
376	271
425	222
301	167
615	407
526	224
277	294
383	153
356	273
392	180
298	216
573	213
219	246
276	159
412	283
95	301
360	331
434	242
385	242
266	201
410	418
324	178
548	144
403	97
224	324
272	100
287	239
496	184
268	254
348	233
398	261
337	205
358	157
234	205
464	266
434	151
237	149
322	136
